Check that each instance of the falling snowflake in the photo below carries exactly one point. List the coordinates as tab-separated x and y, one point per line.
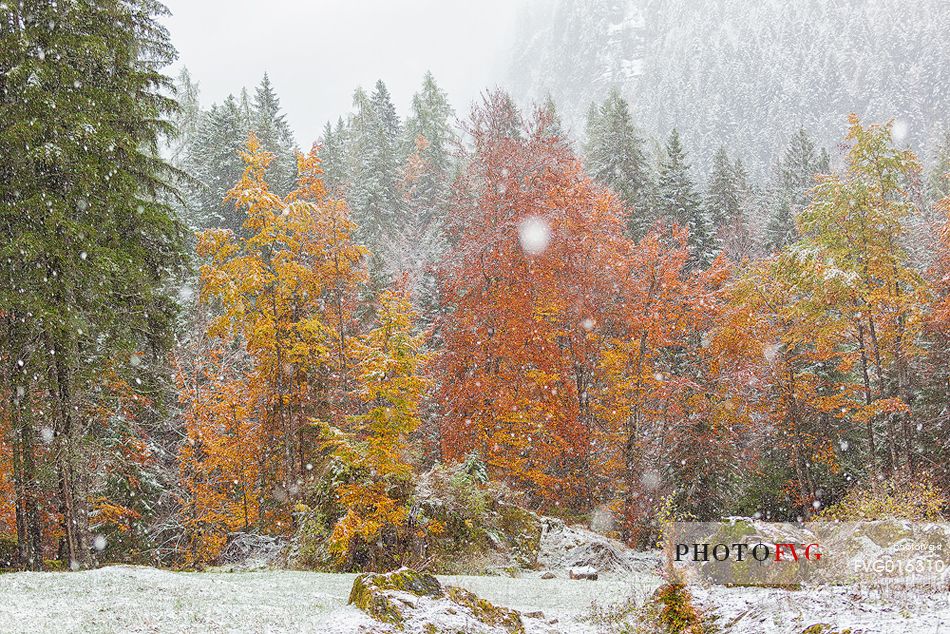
900	130
534	235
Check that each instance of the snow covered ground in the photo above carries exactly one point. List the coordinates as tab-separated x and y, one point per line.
863	610
139	599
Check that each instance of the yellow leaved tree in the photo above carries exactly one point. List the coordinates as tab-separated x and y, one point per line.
389	365
282	294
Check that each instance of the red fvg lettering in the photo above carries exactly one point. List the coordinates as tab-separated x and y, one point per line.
790	547
812	551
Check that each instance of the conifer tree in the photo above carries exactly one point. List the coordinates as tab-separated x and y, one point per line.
726	205
722	197
677	201
554	125
375	170
430	119
800	164
333	158
88	243
213	160
614	156
188	118
426	190
270	125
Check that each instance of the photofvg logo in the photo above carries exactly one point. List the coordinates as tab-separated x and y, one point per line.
740	551
750	552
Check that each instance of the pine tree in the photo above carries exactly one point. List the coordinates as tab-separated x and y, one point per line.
722	197
386	112
430	119
726	205
553	124
614	156
426	189
188	118
89	246
677	201
213	160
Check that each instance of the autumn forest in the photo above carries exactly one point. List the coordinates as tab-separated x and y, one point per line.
207	332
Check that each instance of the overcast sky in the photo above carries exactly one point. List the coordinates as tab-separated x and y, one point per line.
317	51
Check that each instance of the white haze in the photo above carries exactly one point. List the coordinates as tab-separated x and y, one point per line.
317	52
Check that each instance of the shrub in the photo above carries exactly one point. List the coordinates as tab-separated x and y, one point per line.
899	497
677	614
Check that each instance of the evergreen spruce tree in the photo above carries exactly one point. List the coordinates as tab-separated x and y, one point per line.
677	201
386	112
214	161
728	202
426	184
614	156
188	118
88	243
554	126
270	125
796	176
375	170
333	156
723	196
429	132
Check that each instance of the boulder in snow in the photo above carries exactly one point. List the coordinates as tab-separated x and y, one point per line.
584	572
416	602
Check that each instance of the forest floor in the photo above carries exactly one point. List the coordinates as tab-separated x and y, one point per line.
141	599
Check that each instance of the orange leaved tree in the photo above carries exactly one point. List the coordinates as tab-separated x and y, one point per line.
653	398
536	250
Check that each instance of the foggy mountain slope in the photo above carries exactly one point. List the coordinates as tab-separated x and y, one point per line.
743	75
555	54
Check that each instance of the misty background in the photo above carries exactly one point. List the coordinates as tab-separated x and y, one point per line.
726	73
317	53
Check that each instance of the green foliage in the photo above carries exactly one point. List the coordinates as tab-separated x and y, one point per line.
90	247
615	157
797	175
677	201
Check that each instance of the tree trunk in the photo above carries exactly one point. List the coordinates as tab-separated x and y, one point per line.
866	378
72	507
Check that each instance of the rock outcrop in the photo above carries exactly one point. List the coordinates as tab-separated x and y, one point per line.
414	601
